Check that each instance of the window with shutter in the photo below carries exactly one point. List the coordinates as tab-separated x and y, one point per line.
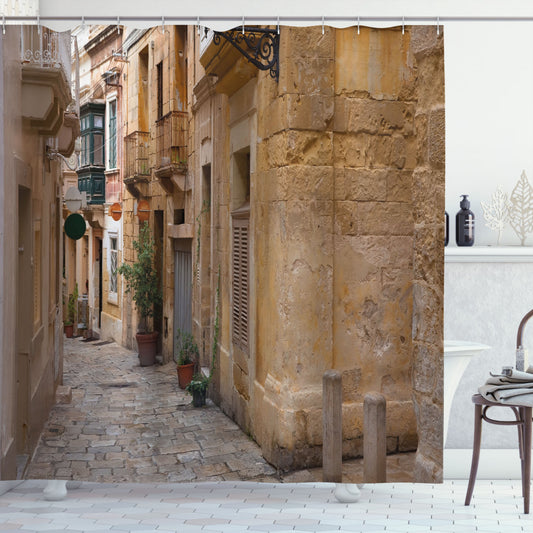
240	291
112	135
113	251
37	275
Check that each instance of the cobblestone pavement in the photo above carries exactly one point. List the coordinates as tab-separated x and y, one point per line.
131	423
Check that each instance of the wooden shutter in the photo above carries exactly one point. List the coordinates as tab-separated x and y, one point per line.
240	282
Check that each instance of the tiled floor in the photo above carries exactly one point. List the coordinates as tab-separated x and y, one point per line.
265	507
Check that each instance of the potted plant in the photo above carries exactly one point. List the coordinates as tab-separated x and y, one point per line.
197	388
68	324
187	356
143	284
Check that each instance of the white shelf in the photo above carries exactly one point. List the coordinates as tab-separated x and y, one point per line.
488	254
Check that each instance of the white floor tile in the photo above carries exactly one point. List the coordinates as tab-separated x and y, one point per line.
234	507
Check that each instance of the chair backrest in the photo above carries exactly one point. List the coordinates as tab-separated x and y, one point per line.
520	351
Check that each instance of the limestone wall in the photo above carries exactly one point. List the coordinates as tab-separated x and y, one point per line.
428	283
30	285
342	247
141	114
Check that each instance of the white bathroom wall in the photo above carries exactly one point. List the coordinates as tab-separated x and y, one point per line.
489	142
489	116
484	302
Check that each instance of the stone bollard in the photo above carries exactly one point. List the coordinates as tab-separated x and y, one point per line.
375	438
332	427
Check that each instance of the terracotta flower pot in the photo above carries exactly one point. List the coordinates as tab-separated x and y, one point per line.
69	330
147	346
185	374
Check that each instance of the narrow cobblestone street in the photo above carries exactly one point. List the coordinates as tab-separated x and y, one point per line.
130	423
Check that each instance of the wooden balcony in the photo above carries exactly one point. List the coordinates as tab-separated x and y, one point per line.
171	151
137	170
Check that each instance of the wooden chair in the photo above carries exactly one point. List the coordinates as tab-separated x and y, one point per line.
522	421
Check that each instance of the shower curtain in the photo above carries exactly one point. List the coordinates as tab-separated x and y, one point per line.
294	203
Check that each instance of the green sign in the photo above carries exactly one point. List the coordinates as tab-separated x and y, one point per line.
75	226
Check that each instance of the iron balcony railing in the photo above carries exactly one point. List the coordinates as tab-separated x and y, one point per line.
171	148
45	48
137	147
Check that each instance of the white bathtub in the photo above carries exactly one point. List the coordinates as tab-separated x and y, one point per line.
457	355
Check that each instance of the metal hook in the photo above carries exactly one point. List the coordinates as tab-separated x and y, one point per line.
243	24
438	28
198	24
403	25
322	24
278	25
118	24
82	22
163	24
3	25
358	31
39	24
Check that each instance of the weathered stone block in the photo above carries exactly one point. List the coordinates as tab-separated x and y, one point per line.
399	186
346	218
430	86
376	61
428	260
396	286
299	148
271	120
367	150
305	182
429	207
375	117
427	369
307	42
385	218
352	420
427	470
430	426
313	424
308	112
436	140
378	251
363	184
308	76
351	379
424	39
421	129
427	317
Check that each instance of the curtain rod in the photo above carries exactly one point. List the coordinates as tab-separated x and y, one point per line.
264	19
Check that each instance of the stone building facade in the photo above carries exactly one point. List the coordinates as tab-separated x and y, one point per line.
37	129
318	232
156	172
99	177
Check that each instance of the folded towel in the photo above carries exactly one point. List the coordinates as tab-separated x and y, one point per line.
514	387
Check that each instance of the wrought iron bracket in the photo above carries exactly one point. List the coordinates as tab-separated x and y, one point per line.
260	46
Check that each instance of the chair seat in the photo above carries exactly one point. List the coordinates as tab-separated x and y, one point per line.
477	399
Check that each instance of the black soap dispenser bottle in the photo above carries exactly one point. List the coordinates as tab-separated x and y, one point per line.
464	224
